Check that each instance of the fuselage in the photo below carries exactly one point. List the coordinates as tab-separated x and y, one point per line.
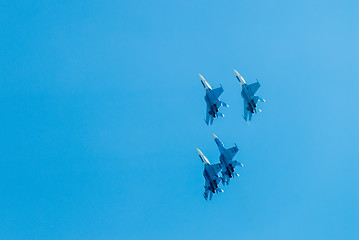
229	171
227	165
248	97
211	104
212	179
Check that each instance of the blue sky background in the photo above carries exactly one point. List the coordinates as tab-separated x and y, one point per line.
102	109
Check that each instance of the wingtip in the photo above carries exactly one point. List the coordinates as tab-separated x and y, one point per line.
199	151
214	136
239	77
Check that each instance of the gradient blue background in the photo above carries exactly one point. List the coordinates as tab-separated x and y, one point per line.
102	109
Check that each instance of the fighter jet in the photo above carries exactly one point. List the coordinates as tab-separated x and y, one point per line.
212	100
210	175
227	163
250	100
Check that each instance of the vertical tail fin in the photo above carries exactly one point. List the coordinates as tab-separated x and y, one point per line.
205	194
210	195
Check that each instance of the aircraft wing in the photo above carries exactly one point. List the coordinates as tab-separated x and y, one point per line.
231	152
216	167
217	92
253	88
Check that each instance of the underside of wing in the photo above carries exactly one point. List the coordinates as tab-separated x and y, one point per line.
216	167
231	152
253	88
217	92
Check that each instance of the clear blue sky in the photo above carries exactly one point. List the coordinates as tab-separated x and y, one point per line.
101	112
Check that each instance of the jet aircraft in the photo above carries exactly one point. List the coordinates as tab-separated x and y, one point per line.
212	100
250	100
210	175
227	163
